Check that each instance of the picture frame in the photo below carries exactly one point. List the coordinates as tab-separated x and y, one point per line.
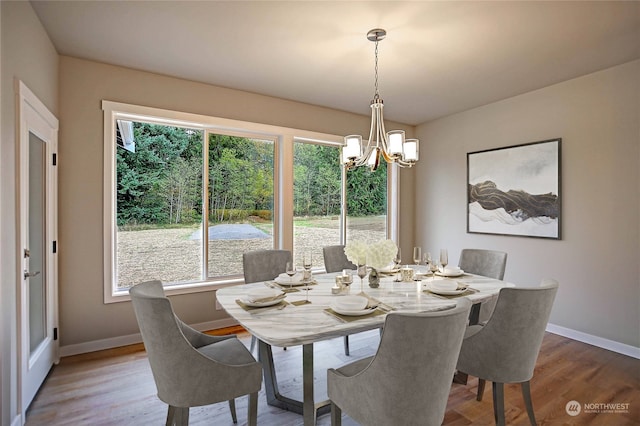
516	190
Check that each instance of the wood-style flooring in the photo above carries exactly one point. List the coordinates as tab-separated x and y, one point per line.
115	387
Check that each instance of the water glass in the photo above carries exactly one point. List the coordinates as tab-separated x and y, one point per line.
444	258
417	255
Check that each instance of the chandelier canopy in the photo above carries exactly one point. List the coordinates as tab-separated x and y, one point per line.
392	146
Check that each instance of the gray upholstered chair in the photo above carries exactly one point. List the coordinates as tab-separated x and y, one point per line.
505	349
488	263
335	261
263	265
190	368
408	380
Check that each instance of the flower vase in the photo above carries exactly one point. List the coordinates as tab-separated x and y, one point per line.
374	278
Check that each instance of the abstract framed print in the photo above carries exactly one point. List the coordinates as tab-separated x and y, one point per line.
515	190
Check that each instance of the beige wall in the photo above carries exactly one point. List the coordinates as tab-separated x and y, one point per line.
83	85
27	54
597	260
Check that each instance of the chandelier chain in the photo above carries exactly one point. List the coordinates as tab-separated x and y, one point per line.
376	95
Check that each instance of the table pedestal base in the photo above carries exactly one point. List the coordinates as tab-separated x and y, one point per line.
307	407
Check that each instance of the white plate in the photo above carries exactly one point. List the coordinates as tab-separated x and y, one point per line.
261	304
389	269
293	282
260	293
450	274
446	292
351	303
357	313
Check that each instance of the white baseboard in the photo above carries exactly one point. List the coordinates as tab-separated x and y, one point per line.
600	342
114	342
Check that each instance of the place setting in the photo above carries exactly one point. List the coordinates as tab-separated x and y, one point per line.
350	308
260	298
292	280
448	288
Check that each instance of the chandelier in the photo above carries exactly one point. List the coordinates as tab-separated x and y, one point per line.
392	146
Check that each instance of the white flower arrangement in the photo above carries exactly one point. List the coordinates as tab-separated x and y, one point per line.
356	252
377	255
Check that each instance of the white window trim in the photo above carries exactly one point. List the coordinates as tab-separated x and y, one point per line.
283	167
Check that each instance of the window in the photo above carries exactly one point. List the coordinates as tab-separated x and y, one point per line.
159	205
240	201
317	195
367	204
163	204
173	178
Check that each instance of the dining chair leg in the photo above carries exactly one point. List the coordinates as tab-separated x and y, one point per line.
498	403
232	408
481	385
526	394
252	416
336	415
180	416
171	415
346	345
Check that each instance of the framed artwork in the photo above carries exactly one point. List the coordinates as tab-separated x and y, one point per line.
515	190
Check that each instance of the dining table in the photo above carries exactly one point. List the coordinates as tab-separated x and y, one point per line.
292	322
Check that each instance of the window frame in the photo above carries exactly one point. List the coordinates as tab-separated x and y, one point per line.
283	137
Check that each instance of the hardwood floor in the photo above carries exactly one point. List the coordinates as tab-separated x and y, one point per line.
115	387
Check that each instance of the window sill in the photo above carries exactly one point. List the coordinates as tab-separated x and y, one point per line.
177	289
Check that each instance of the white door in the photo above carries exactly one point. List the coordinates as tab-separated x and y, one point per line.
37	217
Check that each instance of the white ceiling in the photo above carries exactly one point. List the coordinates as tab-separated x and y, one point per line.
439	57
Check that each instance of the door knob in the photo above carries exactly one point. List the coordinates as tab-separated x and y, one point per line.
28	274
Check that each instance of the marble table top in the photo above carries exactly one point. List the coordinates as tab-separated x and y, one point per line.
302	324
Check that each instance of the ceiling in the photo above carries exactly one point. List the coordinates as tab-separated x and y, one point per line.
439	57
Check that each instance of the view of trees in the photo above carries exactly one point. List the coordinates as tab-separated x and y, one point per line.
161	182
240	178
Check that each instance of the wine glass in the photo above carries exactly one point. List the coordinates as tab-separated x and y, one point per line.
397	261
444	258
362	272
307	262
433	267
291	271
417	256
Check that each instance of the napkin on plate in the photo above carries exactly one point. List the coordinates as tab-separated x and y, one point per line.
452	270
446	285
263	295
296	279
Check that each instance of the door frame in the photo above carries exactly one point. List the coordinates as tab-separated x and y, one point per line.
32	116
